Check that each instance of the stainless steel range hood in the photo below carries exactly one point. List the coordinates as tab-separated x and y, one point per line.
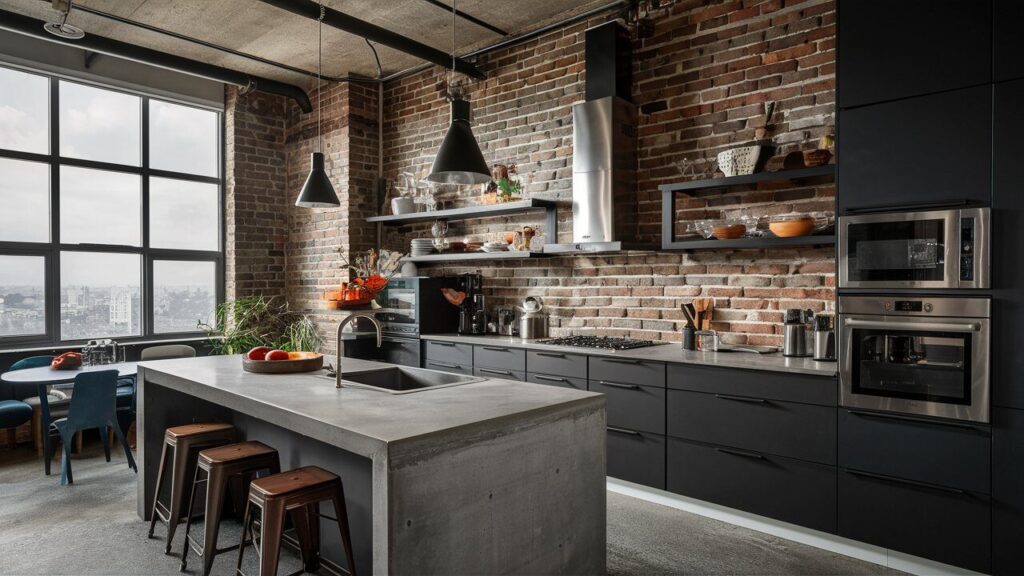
604	194
603	176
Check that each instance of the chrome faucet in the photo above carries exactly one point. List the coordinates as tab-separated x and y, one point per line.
341	343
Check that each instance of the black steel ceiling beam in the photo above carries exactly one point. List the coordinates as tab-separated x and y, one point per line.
374	33
91	42
468	17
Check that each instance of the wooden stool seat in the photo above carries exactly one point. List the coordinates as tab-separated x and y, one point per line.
181	444
292	482
230	466
298	493
234	452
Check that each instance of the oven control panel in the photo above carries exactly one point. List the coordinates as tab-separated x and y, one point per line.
967	249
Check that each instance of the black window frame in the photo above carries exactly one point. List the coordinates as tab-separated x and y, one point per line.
51	250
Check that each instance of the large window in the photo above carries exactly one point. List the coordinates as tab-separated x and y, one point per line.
110	213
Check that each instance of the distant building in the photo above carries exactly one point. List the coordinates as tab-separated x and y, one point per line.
121	305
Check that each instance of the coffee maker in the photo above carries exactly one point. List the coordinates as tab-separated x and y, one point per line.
470	311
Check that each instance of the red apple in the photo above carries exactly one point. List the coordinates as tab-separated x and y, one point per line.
276	355
258	353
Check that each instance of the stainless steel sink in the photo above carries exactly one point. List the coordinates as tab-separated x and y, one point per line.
404	380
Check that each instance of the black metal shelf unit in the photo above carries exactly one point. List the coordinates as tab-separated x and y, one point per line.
668	209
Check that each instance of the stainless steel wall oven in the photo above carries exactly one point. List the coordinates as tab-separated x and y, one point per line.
916	355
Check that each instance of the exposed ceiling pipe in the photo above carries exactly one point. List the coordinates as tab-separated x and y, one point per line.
32	27
468	17
620	4
375	33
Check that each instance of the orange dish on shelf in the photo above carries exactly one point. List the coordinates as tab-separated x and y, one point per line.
792	228
729	231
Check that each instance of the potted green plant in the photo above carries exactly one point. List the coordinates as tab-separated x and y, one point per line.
243	324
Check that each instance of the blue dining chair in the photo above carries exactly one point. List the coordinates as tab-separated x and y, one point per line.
93	405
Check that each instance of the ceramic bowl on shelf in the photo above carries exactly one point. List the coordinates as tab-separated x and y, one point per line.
728	230
792	225
739	161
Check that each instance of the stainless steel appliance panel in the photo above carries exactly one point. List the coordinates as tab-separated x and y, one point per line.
923	249
916	355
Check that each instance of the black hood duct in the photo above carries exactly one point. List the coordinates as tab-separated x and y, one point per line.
32	27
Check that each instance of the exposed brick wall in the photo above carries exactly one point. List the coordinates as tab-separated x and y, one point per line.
255	174
700	83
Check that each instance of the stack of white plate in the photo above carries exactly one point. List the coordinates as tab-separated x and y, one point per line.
421	246
495	247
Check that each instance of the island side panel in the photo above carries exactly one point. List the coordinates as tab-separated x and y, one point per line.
518	495
161	407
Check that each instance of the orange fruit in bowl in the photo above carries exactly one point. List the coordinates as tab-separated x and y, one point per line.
276	355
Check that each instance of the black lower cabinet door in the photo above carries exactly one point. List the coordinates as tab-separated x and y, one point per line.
790	490
1007	491
636	457
401	351
941	524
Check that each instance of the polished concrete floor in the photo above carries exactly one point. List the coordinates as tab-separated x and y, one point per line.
91	528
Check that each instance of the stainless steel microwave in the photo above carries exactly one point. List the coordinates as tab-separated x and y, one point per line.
925	249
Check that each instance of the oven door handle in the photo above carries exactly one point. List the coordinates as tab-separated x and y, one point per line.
931	326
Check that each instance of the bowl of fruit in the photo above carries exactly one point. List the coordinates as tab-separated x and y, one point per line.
264	360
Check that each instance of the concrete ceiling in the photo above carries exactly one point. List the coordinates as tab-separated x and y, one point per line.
256	28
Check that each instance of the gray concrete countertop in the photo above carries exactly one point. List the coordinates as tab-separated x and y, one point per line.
356	419
664	353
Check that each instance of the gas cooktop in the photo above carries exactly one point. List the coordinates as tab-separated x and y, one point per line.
605	342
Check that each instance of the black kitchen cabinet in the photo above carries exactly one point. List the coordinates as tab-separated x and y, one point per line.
501	357
926	150
636	456
1007	491
632	406
782	386
949	454
1007	239
890	50
626	371
1007	41
803	431
942	524
402	351
790	490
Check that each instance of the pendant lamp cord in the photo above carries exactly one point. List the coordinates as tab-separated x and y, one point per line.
319	64
451	82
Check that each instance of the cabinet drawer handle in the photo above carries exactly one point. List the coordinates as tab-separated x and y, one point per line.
444	364
550	378
490	371
550	354
895	480
741	399
445	344
740	453
914	419
495	349
618	361
617	385
623	430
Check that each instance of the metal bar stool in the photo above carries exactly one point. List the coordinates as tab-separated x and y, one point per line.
220	465
182	443
298	492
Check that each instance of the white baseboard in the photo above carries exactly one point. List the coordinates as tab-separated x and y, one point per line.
822	540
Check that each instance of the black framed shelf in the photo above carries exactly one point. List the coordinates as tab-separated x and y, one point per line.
825	170
481	211
473	257
749	243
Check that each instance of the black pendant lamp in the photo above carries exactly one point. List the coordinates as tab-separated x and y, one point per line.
459	160
318	192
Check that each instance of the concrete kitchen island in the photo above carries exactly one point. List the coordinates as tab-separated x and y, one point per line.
489	477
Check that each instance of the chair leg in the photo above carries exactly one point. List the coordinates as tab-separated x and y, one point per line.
156	495
11	438
270	537
127	449
188	518
341	513
307	528
216	486
105	437
79	436
246	520
66	477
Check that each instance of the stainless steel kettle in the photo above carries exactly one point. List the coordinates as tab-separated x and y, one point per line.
798	341
532	324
